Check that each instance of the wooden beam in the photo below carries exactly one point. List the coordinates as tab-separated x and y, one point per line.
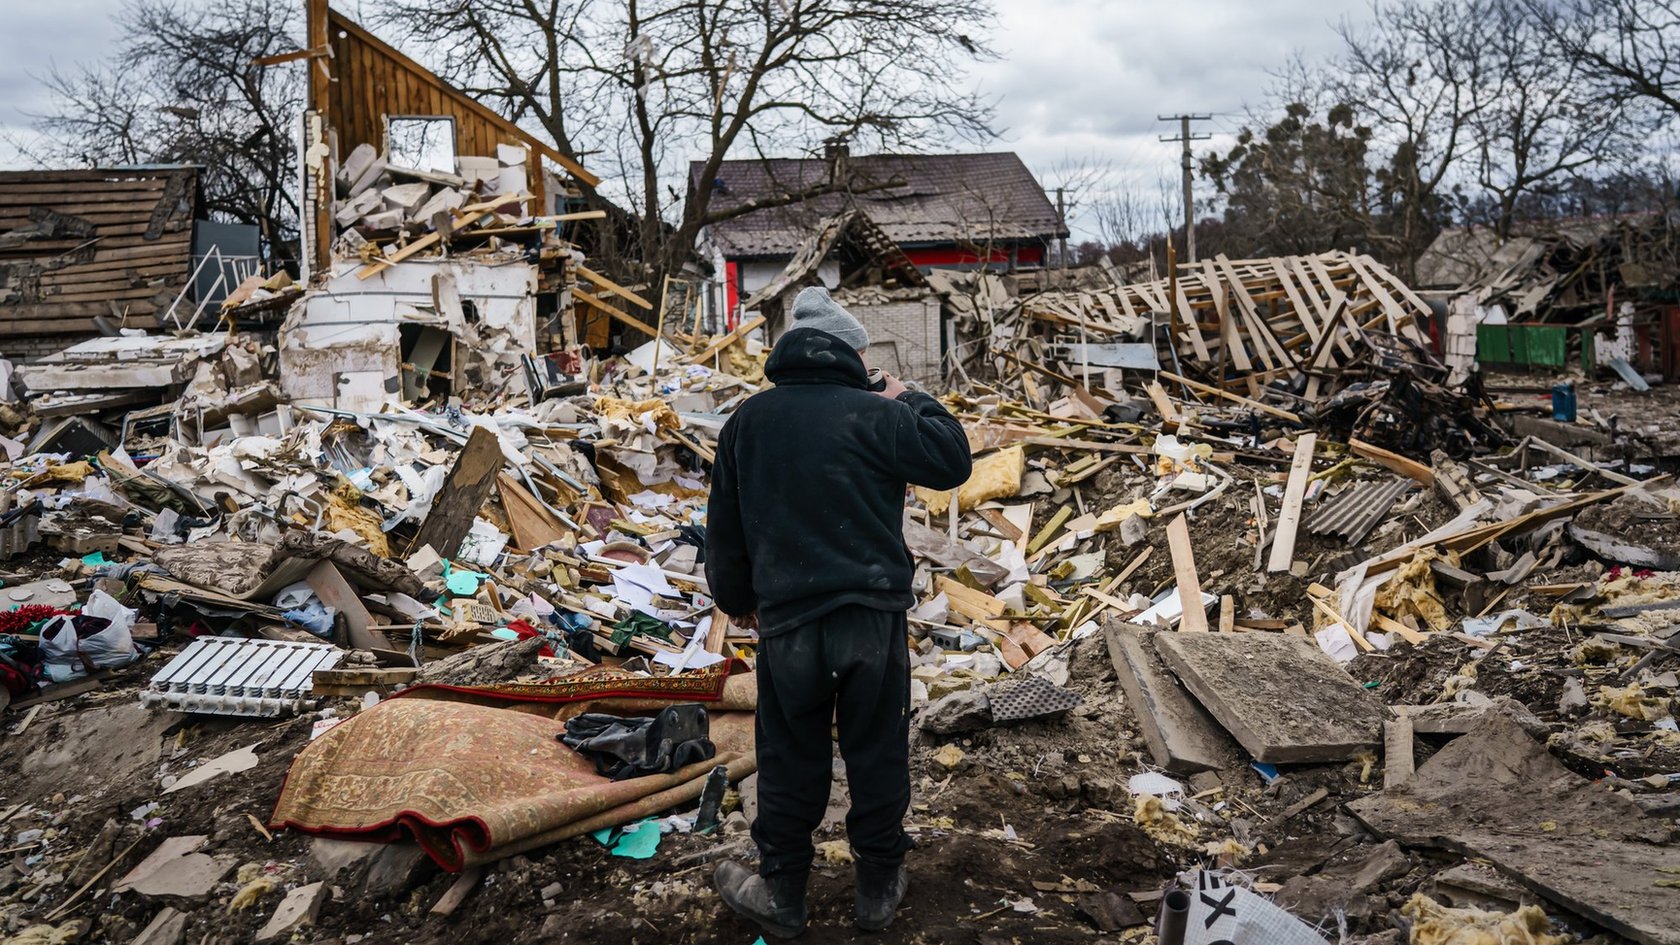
462	495
1409	468
715	348
1057	442
1163	406
532	523
616	313
473	216
292	56
614	288
1194	619
1267	409
1398	761
1300	470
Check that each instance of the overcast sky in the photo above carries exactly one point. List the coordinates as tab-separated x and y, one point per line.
1080	82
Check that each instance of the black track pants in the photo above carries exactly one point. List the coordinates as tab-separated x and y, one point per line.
851	665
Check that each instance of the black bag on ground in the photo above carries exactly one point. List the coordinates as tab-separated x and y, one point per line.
631	747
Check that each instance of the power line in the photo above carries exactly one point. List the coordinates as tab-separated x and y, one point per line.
1186	137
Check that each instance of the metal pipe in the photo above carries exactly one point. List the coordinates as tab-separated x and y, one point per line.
1172	918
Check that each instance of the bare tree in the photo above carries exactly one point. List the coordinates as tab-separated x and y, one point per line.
1538	120
637	87
1408	73
1628	49
182	89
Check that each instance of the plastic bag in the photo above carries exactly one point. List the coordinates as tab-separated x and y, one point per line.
100	637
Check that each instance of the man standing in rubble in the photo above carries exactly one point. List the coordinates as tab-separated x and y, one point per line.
805	541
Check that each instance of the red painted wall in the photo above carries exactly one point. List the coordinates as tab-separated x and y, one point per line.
952	256
732	292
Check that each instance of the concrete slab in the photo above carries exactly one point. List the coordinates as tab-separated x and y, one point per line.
397	868
298	909
1486	795
1278	695
1182	737
168	927
333	856
175	869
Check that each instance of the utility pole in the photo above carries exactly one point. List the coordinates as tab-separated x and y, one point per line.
1061	283
1185	136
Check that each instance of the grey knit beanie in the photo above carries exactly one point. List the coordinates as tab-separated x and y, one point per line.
813	308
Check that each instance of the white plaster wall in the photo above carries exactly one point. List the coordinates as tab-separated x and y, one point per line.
350	326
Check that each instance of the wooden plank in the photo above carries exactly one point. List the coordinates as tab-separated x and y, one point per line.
1194	619
1126	572
462	495
616	313
1234	398
458	891
715	348
614	288
719	633
1324	607
329	584
1163	406
1393	461
63	691
424	242
1230	339
1264	342
1300	469
975	605
1279	695
1227	614
1316	265
1391	308
1050	529
1388	624
1188	315
1061	442
533	524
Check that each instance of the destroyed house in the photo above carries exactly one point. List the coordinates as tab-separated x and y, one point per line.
111	243
947	210
1593	290
438	260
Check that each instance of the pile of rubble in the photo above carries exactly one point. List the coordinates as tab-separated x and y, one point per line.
1371	661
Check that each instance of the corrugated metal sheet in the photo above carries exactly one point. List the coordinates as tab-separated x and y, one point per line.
1355	511
231	676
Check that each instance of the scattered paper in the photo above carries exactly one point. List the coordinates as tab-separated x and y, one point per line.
637	841
1335	641
231	763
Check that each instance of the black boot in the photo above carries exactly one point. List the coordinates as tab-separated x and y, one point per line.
777	904
879	891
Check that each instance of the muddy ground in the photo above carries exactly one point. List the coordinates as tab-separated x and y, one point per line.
1034	817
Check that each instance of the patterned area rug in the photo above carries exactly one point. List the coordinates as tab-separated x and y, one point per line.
478	775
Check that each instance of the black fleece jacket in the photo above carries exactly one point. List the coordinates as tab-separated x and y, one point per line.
807	504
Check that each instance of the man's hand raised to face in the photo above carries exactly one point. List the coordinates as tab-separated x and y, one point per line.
894	387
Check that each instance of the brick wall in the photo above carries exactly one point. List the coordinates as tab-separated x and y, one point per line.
27	348
903	337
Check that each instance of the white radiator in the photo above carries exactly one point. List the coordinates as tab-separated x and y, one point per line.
232	676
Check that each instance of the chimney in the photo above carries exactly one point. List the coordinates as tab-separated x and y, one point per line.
835	152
